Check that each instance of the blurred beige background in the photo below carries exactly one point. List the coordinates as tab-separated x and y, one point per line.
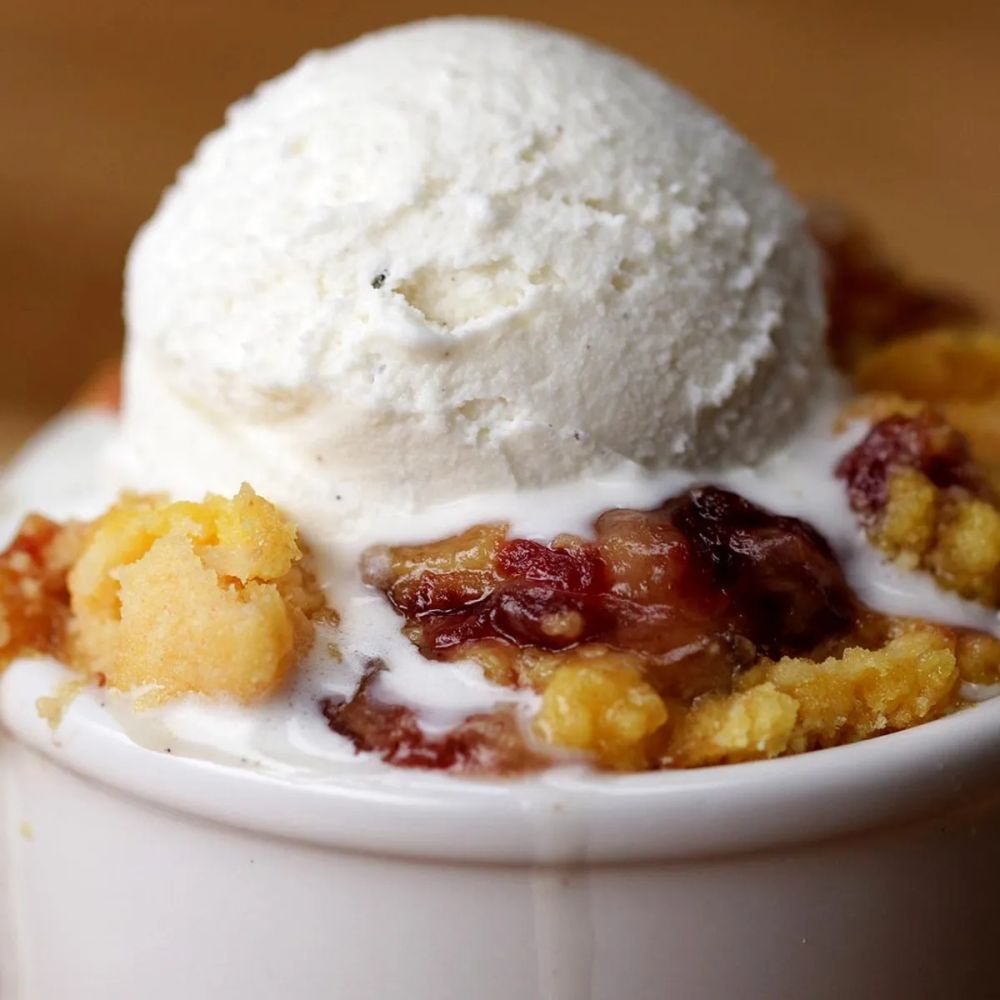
892	107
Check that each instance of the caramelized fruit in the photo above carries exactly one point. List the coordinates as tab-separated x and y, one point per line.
487	743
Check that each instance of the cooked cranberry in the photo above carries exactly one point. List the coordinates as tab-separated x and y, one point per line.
925	442
485	743
579	570
786	588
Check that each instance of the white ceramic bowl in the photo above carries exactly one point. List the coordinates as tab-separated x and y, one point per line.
868	871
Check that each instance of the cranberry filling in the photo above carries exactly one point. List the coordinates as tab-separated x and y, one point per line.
485	743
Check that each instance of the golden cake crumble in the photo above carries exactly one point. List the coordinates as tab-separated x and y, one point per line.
178	598
925	501
798	704
870	300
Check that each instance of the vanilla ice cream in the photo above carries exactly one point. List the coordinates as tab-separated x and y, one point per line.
461	256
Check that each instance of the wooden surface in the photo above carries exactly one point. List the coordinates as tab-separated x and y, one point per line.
892	106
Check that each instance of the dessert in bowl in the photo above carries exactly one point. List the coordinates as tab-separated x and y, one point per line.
488	532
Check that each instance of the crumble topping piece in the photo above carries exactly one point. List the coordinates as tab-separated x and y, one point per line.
798	704
188	597
924	501
937	366
864	692
978	657
103	390
207	598
700	585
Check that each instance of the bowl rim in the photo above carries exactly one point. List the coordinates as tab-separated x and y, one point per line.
561	817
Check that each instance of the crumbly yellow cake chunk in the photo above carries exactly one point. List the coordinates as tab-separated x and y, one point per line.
33	601
798	704
190	597
940	510
908	525
598	701
958	371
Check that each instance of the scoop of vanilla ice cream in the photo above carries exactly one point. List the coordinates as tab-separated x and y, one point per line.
465	255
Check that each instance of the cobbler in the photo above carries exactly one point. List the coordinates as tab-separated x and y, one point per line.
704	630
